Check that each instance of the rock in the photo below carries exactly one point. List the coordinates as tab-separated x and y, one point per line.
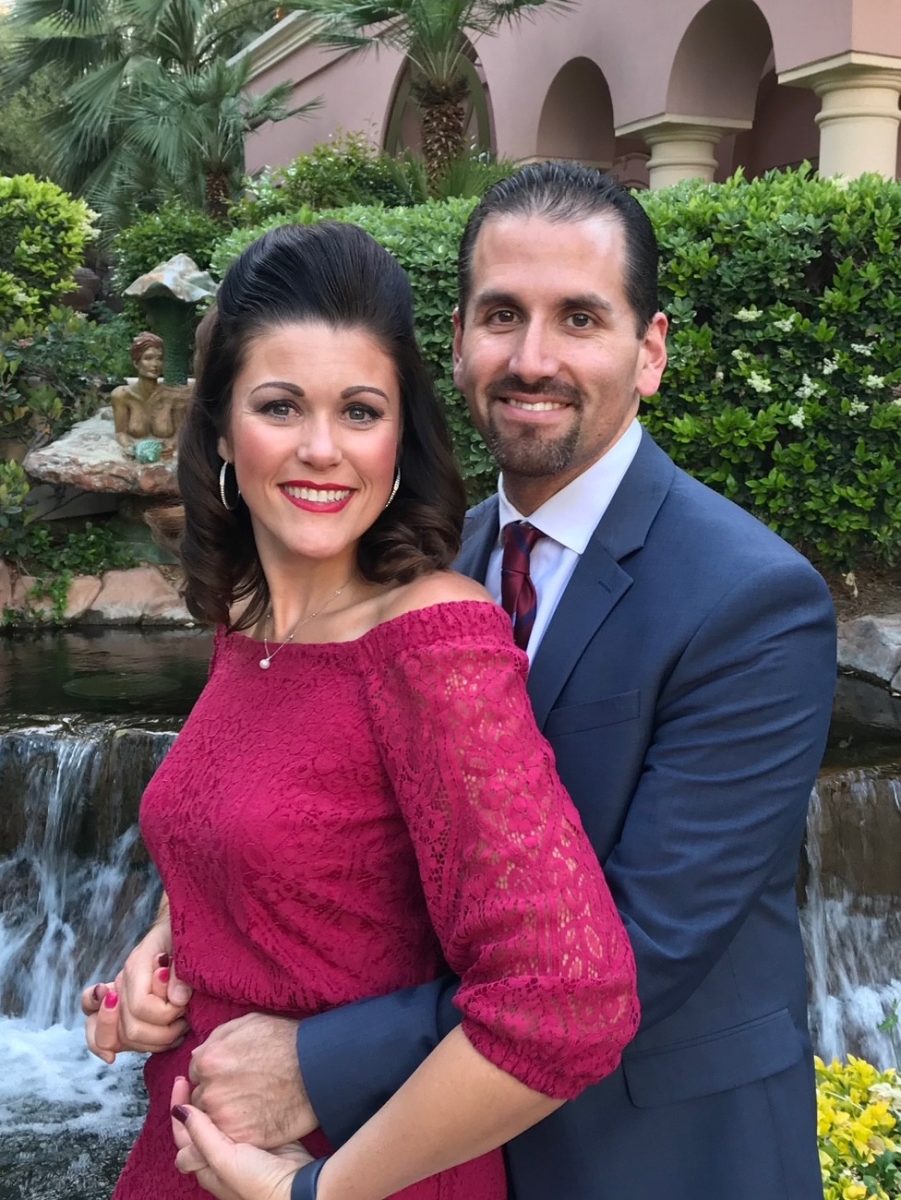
140	595
84	591
83	295
89	458
872	646
6	586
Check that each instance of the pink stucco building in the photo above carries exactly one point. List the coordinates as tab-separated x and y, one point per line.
657	90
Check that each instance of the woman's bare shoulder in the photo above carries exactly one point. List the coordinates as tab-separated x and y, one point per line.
439	587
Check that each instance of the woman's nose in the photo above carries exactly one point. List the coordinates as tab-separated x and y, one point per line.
318	445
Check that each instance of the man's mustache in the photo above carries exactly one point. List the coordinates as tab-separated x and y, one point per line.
551	389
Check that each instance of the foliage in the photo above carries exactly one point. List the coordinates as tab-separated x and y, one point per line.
435	36
43	233
23	138
784	384
149	104
347	169
52	377
859	1129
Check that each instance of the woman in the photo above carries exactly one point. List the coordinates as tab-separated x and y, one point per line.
360	798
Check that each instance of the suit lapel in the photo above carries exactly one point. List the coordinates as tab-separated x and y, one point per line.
599	580
479	539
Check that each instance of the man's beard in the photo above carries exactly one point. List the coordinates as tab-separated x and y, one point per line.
530	453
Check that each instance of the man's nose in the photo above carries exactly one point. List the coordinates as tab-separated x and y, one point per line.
534	356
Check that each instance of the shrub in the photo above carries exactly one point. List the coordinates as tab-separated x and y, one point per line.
43	233
784	384
859	1130
347	169
54	376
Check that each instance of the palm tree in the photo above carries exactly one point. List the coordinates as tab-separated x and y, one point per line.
436	37
148	102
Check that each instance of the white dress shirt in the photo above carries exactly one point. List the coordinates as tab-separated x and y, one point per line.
567	521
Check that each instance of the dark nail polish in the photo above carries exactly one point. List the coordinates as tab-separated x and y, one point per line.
163	960
180	1113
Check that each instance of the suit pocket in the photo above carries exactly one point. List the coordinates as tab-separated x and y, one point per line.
717	1062
574	718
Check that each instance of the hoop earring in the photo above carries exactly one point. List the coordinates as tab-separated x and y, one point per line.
394	488
222	496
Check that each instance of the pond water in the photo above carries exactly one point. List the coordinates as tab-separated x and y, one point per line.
85	718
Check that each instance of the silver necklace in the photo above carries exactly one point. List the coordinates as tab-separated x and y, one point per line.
267	659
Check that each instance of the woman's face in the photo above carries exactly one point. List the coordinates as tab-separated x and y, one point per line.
314	434
150	364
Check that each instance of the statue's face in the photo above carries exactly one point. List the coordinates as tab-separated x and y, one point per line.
150	364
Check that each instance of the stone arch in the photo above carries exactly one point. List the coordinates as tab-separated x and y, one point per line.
577	116
720	60
784	133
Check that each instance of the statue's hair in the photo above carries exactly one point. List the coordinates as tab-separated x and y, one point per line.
336	274
143	342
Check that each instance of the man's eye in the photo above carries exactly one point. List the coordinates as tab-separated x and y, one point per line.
581	320
502	316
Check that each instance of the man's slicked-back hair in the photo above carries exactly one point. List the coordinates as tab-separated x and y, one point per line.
563	191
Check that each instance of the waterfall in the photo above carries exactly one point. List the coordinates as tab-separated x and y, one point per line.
852	916
76	893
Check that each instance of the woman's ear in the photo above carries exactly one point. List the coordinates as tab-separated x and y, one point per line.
224	450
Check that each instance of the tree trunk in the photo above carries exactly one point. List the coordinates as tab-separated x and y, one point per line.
218	193
443	137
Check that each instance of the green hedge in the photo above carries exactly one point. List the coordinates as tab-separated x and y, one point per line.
784	385
155	237
43	233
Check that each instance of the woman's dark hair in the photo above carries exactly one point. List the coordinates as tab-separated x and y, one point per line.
337	274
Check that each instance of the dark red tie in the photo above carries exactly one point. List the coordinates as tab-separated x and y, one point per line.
517	590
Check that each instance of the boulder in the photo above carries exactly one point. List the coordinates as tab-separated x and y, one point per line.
89	458
84	591
138	596
871	646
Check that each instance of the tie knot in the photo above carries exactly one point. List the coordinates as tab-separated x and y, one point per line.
520	537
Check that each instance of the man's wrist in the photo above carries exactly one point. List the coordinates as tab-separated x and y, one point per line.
305	1182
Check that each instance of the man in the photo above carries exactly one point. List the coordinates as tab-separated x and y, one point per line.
683	665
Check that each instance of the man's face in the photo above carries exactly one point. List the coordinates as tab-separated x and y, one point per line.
548	353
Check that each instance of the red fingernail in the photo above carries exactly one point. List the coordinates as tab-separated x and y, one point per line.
164	975
110	1000
163	960
96	993
180	1113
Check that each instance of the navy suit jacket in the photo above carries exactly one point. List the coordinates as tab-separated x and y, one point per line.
685	683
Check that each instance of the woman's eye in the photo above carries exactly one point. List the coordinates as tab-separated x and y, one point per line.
280	409
360	414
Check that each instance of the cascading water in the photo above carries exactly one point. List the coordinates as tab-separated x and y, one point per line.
76	893
852	915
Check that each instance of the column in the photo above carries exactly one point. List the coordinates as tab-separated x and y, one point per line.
681	147
859	117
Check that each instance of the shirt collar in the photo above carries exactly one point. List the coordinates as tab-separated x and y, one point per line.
571	515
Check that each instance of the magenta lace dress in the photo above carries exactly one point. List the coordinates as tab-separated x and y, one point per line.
358	819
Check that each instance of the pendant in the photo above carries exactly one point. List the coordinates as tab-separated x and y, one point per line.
264	664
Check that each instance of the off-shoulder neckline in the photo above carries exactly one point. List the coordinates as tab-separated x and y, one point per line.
414	615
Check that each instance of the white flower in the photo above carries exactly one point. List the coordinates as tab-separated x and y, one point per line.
862	349
797	418
749	314
785	325
829	365
808	388
873	382
738	354
897	402
718	375
760	383
857	407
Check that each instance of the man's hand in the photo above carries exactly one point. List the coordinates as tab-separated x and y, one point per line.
143	1009
247	1079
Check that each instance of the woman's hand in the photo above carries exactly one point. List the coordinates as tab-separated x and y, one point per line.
229	1170
143	1009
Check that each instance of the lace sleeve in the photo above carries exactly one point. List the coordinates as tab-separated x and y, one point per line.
514	889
